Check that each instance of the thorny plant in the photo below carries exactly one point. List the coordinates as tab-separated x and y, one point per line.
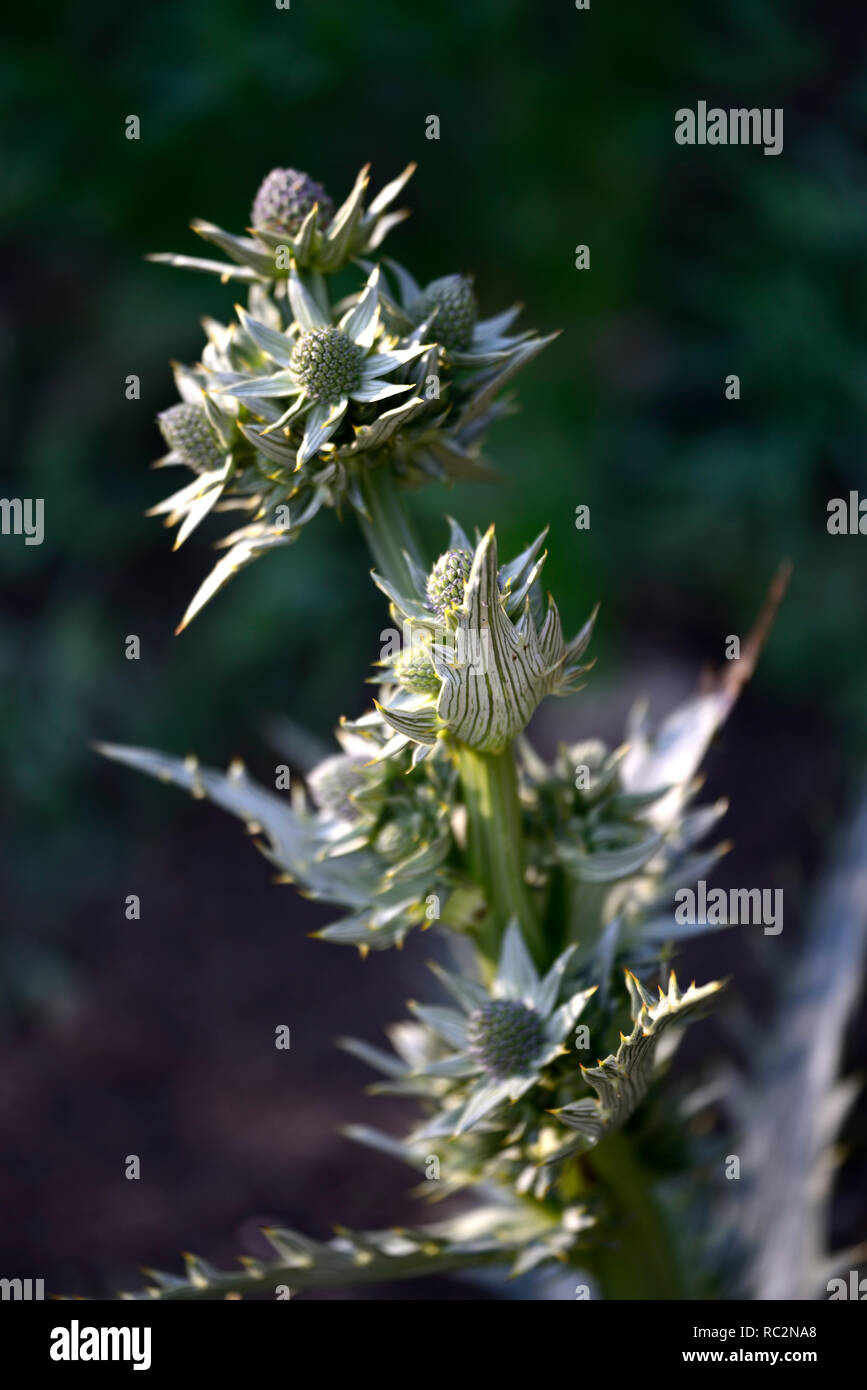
535	1086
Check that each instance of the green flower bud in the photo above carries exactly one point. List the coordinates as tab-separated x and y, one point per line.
448	580
332	781
396	840
285	198
456	311
505	1036
504	663
327	363
187	430
414	671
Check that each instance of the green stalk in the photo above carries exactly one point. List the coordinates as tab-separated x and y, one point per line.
641	1261
495	846
387	527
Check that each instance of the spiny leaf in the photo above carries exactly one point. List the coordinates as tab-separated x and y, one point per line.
350	1258
622	1079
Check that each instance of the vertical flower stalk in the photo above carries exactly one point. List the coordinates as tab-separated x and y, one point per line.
641	1261
495	847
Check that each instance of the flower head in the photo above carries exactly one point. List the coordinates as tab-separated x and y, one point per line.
504	1035
327	363
502	1038
322	367
414	671
295	224
190	435
285	198
450	304
448	312
447	581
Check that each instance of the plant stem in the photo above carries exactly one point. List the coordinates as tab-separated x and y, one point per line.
641	1262
495	843
387	527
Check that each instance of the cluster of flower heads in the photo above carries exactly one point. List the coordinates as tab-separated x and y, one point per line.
295	406
295	403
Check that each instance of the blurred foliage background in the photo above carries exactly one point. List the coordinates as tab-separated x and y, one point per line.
557	129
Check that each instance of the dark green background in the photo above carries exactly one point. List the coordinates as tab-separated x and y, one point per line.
557	128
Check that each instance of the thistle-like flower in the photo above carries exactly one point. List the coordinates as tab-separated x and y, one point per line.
500	1040
286	199
447	310
452	302
322	366
202	436
447	582
294	224
414	670
415	440
494	652
191	437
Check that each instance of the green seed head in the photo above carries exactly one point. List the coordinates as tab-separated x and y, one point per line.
285	198
332	782
327	363
505	1036
414	672
453	299
187	430
448	580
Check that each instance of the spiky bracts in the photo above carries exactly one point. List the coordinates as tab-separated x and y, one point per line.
496	652
294	223
621	1080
